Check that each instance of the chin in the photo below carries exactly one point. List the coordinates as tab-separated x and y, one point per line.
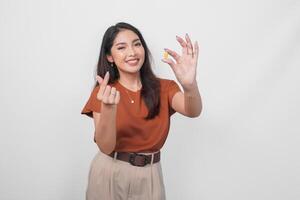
133	71
133	68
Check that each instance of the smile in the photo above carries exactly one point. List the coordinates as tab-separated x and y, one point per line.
133	62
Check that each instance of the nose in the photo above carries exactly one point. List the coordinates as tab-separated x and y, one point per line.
131	51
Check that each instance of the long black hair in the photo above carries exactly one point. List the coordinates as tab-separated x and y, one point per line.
150	91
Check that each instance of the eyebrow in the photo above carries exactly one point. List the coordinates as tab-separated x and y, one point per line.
125	42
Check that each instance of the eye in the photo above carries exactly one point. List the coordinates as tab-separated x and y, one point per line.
138	44
121	48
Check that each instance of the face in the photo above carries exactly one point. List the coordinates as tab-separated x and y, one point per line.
127	52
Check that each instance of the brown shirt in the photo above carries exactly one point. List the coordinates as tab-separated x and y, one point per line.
134	133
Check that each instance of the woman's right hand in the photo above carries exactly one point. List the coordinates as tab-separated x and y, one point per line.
107	94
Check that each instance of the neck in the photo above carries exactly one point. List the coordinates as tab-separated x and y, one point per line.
131	81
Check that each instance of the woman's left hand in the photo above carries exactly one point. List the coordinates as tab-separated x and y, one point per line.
186	64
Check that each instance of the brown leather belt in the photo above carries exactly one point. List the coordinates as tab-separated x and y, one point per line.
136	159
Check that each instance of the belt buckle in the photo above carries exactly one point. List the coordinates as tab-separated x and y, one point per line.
132	157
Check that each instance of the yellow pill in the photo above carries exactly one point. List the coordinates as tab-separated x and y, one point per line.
166	55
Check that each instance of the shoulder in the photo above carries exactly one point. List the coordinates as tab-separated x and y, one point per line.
165	83
95	89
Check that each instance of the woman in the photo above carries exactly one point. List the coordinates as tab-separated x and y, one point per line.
131	109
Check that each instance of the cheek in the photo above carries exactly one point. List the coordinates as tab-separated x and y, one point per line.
118	57
142	52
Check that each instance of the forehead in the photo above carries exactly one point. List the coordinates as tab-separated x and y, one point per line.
126	36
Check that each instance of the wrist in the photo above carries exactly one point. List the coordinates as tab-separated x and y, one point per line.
191	87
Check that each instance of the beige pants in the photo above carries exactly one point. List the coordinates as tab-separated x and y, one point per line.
111	179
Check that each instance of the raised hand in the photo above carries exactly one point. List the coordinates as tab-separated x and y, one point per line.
186	64
107	94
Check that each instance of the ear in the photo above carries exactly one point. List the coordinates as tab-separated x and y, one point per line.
109	58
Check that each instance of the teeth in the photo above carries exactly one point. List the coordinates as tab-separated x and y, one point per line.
132	61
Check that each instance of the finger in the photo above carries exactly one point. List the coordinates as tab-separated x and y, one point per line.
189	45
111	98
117	98
170	62
183	44
103	85
106	78
113	91
106	94
99	94
173	54
99	79
196	50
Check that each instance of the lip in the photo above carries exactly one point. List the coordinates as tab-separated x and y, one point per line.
132	59
133	62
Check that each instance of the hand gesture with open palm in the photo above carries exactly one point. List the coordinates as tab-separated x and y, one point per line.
186	64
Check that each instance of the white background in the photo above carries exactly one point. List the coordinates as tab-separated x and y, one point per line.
245	144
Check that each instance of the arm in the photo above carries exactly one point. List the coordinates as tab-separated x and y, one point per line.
105	123
188	103
105	128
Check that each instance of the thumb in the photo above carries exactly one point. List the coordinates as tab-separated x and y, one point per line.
169	61
99	79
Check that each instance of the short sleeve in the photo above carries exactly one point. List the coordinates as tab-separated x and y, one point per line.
173	88
93	104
